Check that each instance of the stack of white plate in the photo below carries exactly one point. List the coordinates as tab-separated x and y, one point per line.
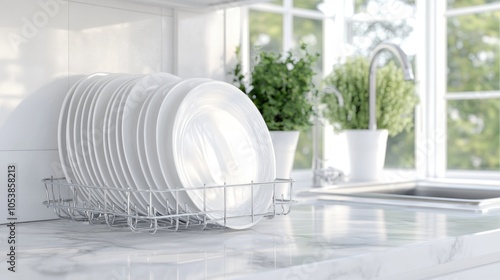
159	132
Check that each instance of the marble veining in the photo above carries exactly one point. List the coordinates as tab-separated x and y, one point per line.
450	253
315	241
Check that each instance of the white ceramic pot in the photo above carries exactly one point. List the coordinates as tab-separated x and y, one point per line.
285	145
366	153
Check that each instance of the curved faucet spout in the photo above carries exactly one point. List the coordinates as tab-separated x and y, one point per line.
405	64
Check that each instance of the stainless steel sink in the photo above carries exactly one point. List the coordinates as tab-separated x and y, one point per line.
444	194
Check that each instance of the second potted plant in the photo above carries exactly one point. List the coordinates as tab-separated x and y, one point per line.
348	110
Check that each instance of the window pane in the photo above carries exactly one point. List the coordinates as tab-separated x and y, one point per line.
303	156
306	4
277	2
309	31
473	134
400	151
465	3
266	32
366	35
474	52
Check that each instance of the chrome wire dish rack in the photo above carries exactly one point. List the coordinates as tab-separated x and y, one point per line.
70	202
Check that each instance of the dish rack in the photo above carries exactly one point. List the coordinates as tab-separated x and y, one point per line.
68	203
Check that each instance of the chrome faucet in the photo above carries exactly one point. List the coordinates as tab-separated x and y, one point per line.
321	174
407	71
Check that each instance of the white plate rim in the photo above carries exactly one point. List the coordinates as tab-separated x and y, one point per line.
81	118
84	86
145	87
61	133
102	107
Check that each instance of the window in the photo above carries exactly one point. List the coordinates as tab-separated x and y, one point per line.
355	30
473	85
458	72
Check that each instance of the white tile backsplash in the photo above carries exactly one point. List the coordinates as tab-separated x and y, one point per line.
200	44
167	46
103	39
42	40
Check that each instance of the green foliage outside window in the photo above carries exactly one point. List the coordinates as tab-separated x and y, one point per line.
473	45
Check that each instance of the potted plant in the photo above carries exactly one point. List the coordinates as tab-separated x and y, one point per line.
348	110
281	87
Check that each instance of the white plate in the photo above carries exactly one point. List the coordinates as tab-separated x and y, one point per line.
80	136
116	145
61	134
161	158
75	161
149	160
132	107
141	149
91	137
220	137
105	171
110	142
107	129
74	110
159	204
68	124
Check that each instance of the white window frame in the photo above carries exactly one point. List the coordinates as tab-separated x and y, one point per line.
431	64
437	165
289	12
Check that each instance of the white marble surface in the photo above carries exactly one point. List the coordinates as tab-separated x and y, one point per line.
320	241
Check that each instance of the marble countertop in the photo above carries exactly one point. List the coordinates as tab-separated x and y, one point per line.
317	240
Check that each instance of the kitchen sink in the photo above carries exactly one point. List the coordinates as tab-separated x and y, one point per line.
444	194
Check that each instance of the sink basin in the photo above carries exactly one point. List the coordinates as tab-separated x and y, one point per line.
444	194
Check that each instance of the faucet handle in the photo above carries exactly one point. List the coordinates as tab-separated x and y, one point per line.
329	175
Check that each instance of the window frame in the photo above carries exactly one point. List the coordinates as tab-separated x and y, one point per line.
441	169
431	67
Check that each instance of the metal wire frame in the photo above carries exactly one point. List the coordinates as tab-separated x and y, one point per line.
76	202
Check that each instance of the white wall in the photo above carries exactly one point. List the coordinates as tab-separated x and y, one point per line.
44	43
